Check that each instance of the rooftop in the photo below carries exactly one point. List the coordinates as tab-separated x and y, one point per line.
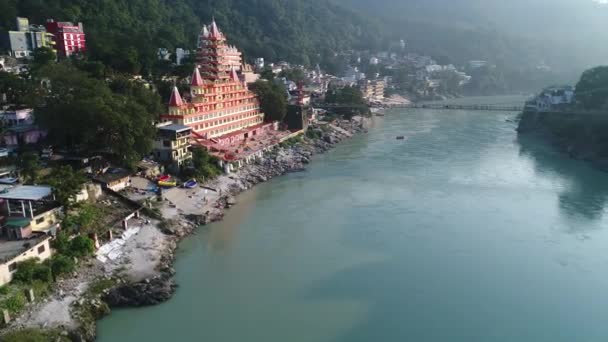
174	128
112	175
27	192
11	249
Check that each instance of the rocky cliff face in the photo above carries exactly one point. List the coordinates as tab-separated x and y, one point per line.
580	135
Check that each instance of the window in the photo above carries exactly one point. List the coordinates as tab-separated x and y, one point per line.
40	220
41	249
166	143
12	267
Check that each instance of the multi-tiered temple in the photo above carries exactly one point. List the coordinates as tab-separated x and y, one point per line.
222	112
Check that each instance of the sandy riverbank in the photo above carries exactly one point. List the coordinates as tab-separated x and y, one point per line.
141	268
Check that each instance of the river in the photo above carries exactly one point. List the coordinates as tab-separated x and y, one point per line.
462	232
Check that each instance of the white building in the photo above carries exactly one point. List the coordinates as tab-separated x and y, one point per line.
259	63
476	64
13	252
180	55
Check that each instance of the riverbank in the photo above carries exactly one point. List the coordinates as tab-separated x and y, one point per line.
579	135
143	275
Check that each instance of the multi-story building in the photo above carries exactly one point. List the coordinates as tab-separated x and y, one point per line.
26	39
27	210
172	145
372	90
220	109
180	55
69	38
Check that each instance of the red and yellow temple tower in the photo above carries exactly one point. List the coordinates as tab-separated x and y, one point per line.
221	110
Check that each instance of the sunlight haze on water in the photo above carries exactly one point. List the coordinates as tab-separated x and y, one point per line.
462	232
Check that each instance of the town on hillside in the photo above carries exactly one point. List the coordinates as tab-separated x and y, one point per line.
99	168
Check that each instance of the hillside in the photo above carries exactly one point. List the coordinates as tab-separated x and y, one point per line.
515	33
126	33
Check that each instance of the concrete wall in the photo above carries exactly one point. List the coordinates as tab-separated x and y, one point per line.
89	191
45	220
119	185
6	276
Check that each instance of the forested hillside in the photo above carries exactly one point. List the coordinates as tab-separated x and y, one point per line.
126	33
517	35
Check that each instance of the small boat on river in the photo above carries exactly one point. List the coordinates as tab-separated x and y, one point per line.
401	137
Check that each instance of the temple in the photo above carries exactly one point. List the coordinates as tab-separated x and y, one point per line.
223	113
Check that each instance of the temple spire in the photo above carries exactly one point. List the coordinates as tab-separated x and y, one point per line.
214	31
197	80
176	99
233	75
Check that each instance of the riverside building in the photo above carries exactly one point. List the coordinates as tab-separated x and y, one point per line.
224	115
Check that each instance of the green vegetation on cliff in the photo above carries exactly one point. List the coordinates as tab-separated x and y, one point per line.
580	132
125	34
592	89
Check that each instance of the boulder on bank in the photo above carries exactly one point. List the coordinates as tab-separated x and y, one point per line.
148	292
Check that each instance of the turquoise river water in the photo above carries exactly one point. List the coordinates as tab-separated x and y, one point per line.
463	232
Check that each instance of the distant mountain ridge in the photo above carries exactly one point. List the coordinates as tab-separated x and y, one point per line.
562	33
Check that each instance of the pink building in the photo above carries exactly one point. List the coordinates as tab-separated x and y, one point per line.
69	38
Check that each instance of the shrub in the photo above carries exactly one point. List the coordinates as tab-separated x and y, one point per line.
61	243
25	271
61	264
41	289
30	270
4	290
14	303
81	246
42	273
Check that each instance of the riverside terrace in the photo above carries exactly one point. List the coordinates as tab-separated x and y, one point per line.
241	151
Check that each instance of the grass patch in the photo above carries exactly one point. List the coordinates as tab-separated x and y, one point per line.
35	335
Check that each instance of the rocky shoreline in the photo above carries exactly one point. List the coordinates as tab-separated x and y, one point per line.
144	275
281	160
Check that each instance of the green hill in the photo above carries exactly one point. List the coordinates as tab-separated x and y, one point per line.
126	33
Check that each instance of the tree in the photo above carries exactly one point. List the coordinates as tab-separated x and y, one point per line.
61	243
204	165
351	98
44	55
87	219
84	113
81	246
18	91
66	184
293	74
267	74
346	95
30	270
273	99
29	163
592	89
61	264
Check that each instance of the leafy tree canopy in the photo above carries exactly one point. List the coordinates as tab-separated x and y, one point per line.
592	89
66	184
84	113
29	163
273	99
